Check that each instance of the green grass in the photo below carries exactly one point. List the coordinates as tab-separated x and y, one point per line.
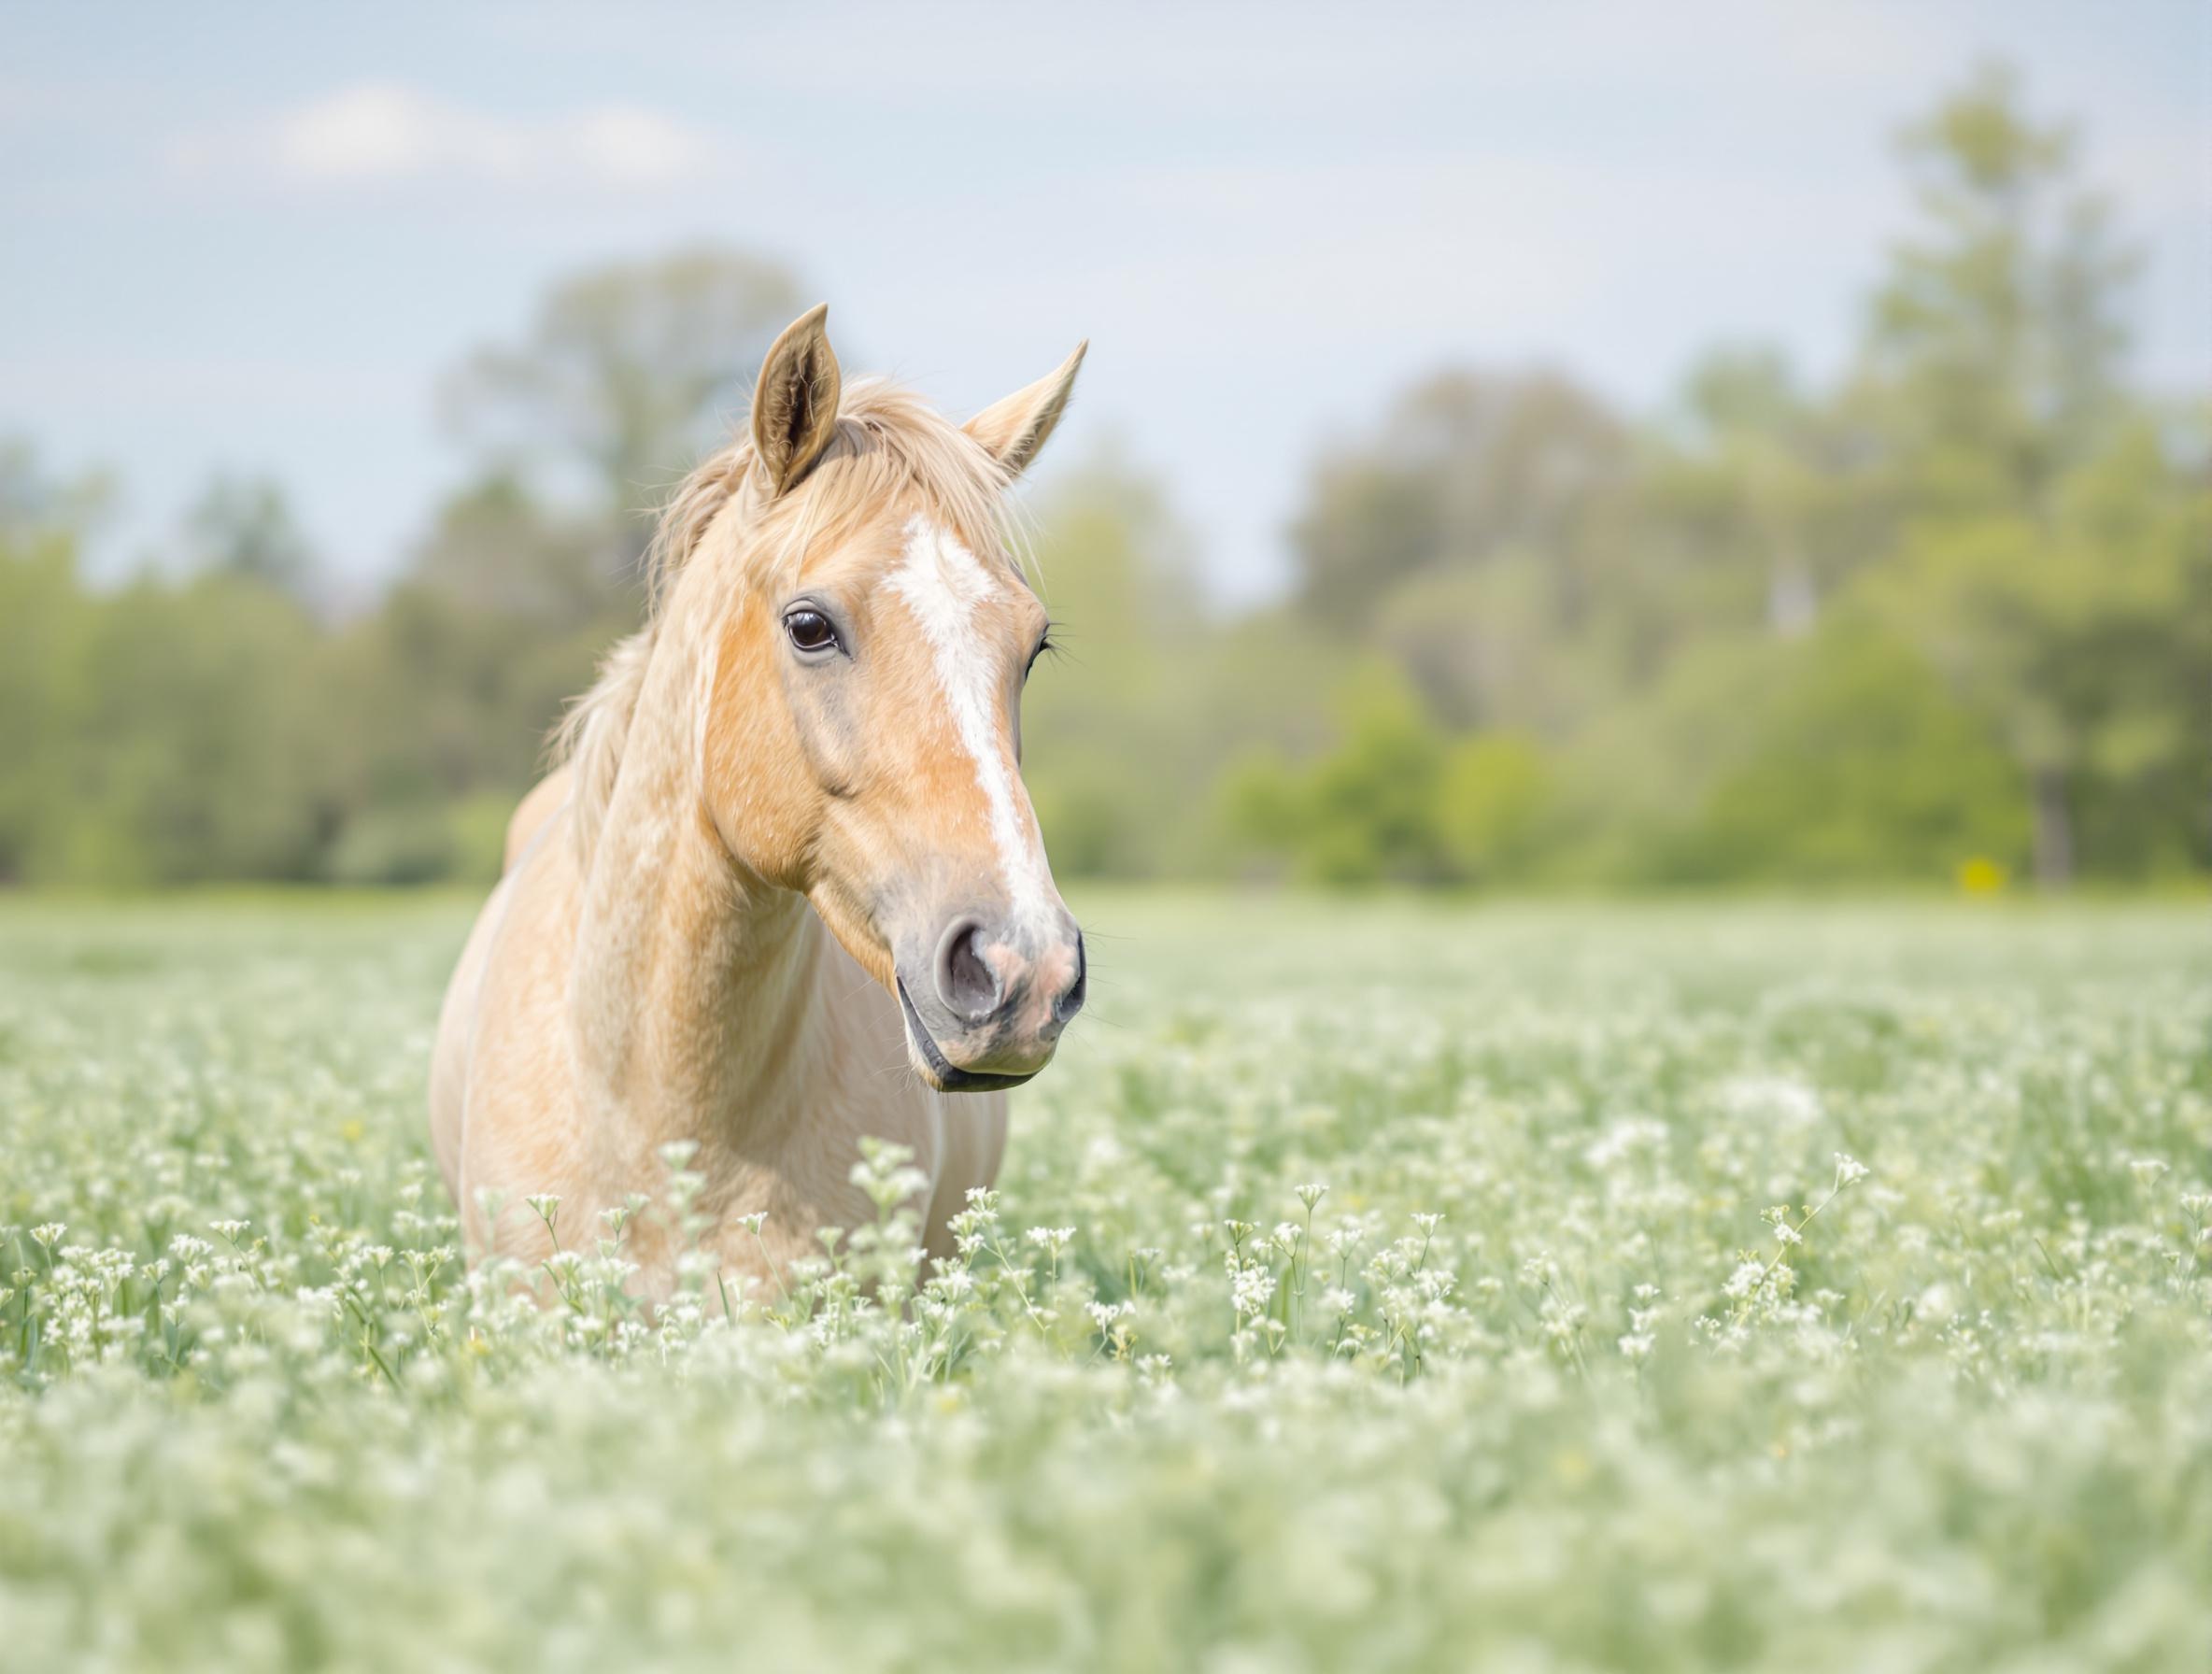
1622	1405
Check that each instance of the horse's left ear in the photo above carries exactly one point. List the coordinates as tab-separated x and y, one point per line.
1015	429
795	403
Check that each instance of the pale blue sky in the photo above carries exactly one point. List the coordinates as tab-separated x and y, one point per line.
252	237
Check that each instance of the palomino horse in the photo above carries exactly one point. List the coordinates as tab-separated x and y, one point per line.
786	890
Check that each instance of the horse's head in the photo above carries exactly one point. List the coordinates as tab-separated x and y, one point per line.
862	739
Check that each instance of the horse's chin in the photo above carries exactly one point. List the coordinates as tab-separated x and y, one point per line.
932	1066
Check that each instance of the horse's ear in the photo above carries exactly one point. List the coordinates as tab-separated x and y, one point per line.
795	403
1015	429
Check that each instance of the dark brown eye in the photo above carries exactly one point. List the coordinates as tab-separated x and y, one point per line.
810	631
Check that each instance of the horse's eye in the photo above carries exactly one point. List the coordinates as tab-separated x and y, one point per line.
810	631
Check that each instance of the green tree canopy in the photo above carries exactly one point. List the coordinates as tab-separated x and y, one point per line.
245	526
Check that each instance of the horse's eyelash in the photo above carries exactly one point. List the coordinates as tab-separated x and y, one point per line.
1048	645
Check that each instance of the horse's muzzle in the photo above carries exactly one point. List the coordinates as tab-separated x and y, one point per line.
988	1009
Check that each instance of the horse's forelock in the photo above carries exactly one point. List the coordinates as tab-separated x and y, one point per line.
889	442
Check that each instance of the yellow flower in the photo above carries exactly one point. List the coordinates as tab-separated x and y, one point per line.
1981	875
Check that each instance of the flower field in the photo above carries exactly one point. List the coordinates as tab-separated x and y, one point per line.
1371	1286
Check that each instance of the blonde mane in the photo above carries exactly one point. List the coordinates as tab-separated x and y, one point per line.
888	442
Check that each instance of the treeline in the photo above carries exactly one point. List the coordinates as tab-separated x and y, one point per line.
1949	616
215	725
1948	619
219	718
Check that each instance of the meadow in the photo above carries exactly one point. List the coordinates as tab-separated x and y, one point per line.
1376	1285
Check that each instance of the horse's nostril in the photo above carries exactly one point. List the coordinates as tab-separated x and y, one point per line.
964	978
1067	1004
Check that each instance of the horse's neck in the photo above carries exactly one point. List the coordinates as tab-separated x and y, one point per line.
695	984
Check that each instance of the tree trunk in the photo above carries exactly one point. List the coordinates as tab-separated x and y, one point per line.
2054	830
1792	602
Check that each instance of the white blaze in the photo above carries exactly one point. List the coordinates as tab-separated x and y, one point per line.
943	583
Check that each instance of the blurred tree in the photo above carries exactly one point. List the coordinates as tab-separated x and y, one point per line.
2072	634
1486	648
1627	790
1491	802
455	683
43	612
195	726
1126	729
34	500
1991	374
1861	767
496	552
245	526
1760	502
1468	468
1992	354
1367	809
628	373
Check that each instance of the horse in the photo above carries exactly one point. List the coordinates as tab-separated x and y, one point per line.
784	887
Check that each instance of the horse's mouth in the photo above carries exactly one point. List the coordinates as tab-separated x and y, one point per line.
945	1076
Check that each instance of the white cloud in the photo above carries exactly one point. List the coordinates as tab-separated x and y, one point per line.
379	134
374	132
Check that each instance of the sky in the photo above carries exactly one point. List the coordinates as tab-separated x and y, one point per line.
252	238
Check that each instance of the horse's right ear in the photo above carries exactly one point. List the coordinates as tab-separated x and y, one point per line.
1015	429
795	403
